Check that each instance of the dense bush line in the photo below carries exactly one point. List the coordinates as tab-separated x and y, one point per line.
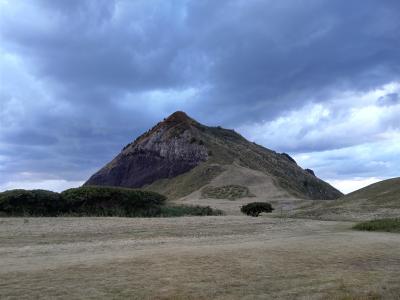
93	201
34	202
188	210
255	208
389	225
111	201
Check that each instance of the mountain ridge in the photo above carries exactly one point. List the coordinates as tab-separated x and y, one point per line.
179	147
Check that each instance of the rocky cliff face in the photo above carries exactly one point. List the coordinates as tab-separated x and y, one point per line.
167	150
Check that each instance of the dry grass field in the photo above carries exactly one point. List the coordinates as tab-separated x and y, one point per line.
224	257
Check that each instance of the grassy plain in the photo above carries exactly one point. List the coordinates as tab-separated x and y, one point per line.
218	257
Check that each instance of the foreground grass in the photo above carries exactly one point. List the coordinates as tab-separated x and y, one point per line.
388	225
229	257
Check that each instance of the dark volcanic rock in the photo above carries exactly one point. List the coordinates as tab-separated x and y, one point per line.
167	150
288	157
310	172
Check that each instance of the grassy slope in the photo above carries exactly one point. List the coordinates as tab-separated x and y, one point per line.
384	193
186	183
226	147
378	200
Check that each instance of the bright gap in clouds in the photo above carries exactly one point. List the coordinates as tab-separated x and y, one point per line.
55	185
351	185
351	141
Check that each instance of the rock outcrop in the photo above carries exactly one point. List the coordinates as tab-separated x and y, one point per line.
167	150
310	172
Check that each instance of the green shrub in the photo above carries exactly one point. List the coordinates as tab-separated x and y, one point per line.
255	208
188	210
32	203
389	225
112	201
231	192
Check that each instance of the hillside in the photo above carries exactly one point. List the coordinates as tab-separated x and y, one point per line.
179	156
378	200
385	193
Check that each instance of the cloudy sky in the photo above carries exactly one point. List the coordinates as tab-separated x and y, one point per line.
318	79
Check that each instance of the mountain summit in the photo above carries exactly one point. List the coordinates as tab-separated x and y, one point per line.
165	151
179	156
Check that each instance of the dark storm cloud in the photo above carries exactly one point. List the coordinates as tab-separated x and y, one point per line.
259	52
104	47
389	99
31	137
91	75
279	56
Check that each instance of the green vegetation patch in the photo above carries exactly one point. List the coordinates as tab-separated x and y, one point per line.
83	201
388	225
94	201
33	203
230	192
188	210
254	209
112	201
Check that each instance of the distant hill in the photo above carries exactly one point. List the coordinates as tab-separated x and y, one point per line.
179	157
378	200
386	193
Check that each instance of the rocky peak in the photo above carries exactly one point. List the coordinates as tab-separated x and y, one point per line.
164	151
170	127
178	117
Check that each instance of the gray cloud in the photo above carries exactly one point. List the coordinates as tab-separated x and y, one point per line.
389	99
85	77
378	159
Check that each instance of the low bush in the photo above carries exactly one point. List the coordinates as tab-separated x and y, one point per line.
112	201
188	210
388	225
255	208
30	203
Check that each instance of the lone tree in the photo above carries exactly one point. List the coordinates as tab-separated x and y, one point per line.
255	208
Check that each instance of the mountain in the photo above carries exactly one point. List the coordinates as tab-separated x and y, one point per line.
378	200
180	156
